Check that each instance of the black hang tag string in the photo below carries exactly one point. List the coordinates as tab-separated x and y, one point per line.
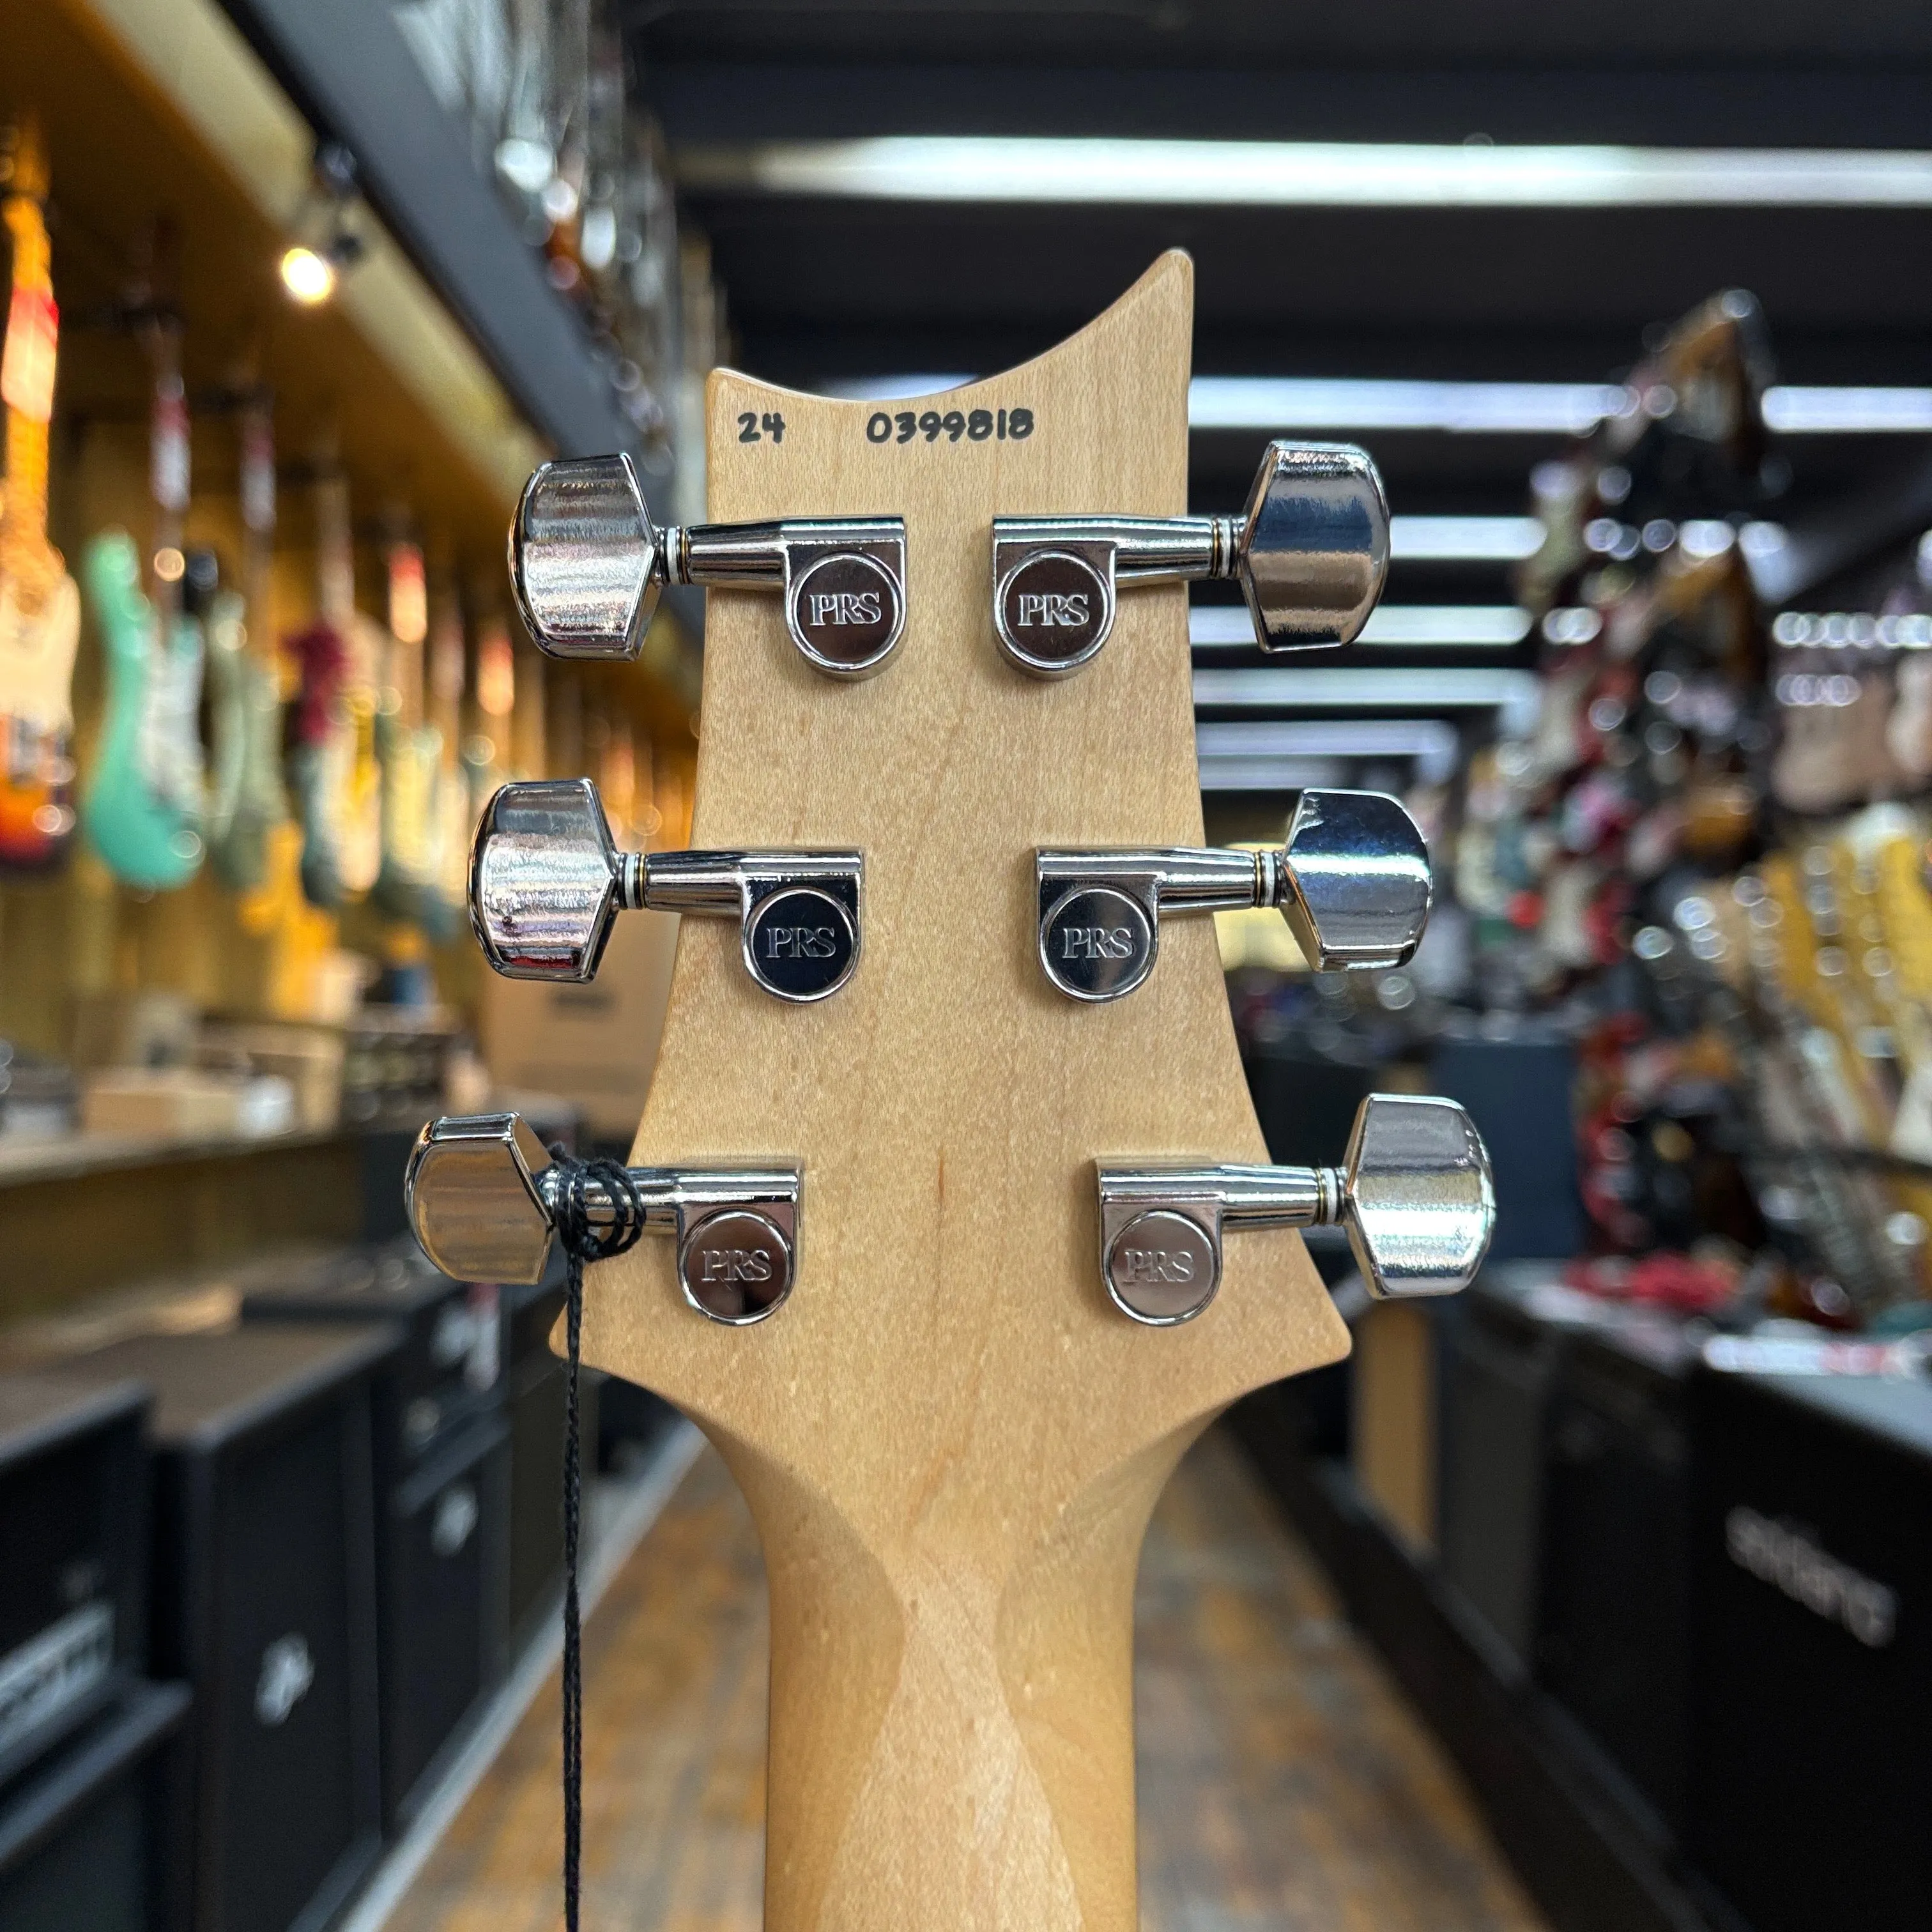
583	1240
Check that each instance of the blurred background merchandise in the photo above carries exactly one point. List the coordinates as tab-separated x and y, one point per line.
1631	310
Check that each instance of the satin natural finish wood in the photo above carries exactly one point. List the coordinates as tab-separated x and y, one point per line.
950	1439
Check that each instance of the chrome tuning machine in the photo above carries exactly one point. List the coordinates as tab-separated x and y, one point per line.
1413	1192
483	1196
1310	552
547	881
1351	879
588	565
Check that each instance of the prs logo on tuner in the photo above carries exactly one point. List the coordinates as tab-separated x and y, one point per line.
800	942
1173	1265
728	1264
844	608
1053	609
1096	942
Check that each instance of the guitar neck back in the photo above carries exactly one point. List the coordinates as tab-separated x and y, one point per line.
950	1437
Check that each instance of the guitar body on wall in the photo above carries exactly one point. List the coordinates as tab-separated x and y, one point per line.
40	607
142	807
246	802
332	763
992	1157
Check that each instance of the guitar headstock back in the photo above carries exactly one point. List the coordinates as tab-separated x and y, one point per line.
950	1435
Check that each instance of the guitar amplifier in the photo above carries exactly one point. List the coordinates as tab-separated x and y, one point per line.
73	1525
442	1485
1518	1093
94	1838
446	1371
444	1552
1811	1649
1499	1369
264	1601
1614	1645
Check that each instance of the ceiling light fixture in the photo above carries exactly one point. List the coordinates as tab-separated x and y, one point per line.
1487	626
1313	174
1332	405
323	247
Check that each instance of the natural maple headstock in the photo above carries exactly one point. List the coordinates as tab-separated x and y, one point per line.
951	1438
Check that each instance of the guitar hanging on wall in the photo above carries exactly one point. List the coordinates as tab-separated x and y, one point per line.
246	803
39	608
955	1198
332	765
145	802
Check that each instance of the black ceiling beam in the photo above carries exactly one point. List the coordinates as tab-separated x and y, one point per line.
352	76
1734	104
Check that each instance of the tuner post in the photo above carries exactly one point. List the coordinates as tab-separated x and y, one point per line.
482	1194
1310	552
1351	878
588	565
1413	1192
547	883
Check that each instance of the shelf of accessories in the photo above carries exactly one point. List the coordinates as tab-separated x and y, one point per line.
87	1215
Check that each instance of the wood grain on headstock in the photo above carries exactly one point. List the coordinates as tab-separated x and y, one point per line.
950	1437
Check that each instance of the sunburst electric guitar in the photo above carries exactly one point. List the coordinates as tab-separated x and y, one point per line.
332	765
39	608
971	1237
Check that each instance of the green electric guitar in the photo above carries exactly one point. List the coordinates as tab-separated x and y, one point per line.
143	806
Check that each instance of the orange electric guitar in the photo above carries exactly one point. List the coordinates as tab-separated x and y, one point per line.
970	1234
40	607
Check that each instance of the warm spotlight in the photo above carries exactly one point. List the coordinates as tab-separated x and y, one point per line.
309	276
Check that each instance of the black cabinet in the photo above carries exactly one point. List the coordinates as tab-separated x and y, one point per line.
442	1485
73	1556
1500	1363
444	1548
1811	1592
264	1601
1614	1645
94	1838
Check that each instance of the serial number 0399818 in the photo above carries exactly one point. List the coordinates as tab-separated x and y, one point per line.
974	425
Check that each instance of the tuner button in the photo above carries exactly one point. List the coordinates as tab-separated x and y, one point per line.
1311	549
800	943
1417	1201
1354	883
545	880
735	1266
586	563
1054	608
474	1199
1162	1267
1098	942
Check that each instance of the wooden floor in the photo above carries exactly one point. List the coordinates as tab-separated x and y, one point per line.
1284	1785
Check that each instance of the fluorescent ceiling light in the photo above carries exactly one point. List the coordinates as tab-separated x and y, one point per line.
1792	411
1229	745
1464	539
1272	404
1272	687
1322	403
1313	174
890	389
1223	626
1275	402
